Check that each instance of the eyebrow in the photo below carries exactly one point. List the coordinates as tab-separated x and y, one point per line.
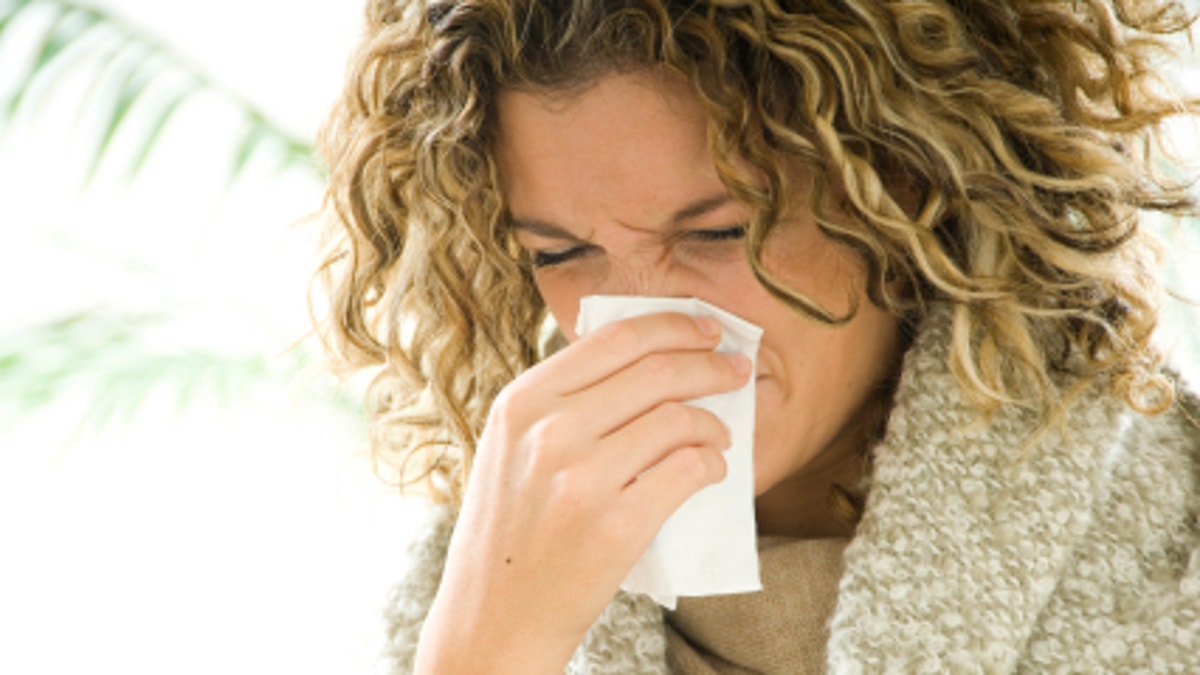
701	207
544	228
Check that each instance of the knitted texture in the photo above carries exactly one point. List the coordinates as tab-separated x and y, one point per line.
1130	600
409	601
977	552
627	638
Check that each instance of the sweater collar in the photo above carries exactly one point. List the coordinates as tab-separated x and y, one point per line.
966	531
968	525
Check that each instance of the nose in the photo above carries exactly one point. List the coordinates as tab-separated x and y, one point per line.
647	278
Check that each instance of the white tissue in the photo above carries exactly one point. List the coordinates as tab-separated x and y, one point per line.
709	545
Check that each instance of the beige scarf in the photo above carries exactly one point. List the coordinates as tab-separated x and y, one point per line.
976	552
781	629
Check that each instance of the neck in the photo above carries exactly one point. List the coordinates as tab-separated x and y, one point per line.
800	505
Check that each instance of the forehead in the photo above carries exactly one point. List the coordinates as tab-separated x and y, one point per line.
630	145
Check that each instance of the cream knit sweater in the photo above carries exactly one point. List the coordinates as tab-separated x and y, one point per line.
1081	554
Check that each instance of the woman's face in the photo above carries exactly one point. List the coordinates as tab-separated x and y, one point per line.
613	191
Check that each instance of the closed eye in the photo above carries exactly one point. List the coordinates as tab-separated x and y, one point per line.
551	258
723	234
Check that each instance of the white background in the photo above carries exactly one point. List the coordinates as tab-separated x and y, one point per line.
251	538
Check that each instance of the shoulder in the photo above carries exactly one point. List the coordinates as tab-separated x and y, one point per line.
1127	598
1160	454
1155	471
977	537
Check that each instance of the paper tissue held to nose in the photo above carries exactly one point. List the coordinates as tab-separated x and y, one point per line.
709	545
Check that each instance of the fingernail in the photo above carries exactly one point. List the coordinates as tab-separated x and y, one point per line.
740	363
709	326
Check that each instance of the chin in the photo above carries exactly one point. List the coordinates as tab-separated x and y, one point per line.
765	476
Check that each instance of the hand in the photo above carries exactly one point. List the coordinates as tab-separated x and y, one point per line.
582	460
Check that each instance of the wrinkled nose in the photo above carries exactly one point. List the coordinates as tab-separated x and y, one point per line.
647	278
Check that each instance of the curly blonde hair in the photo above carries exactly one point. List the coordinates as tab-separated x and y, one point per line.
992	154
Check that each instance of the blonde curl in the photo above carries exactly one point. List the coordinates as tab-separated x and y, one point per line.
990	154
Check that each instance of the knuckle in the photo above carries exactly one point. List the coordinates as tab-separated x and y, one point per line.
687	423
540	452
542	433
660	367
677	416
511	404
621	337
543	437
703	465
571	492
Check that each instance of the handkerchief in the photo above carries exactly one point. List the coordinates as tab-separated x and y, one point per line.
708	546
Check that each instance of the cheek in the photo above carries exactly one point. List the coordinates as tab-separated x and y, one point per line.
829	273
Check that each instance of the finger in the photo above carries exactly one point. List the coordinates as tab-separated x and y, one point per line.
658	378
660	491
644	442
619	344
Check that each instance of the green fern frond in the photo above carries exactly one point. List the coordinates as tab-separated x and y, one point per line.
110	357
107	352
130	70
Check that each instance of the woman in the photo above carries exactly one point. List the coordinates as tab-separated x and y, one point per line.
967	456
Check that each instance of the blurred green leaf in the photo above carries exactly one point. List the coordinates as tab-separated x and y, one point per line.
108	353
71	23
108	356
8	10
113	362
130	68
65	28
256	133
134	77
163	115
